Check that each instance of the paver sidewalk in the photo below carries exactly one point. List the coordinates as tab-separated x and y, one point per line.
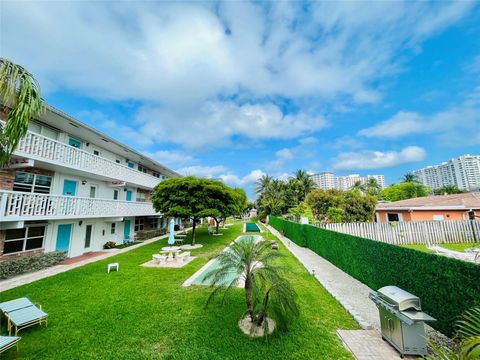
351	293
57	269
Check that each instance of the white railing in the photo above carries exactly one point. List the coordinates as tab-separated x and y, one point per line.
16	206
38	147
413	232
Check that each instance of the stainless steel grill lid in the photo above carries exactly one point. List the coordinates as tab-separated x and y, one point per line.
399	298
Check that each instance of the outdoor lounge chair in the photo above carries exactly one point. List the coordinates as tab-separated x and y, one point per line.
22	313
7	342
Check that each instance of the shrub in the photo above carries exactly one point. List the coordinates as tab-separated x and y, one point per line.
109	245
148	234
447	287
24	264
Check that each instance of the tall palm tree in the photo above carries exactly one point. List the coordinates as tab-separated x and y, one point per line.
20	95
372	187
267	292
358	185
262	184
305	184
409	177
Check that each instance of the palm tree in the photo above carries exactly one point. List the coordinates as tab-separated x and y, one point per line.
20	94
262	184
468	339
372	187
267	292
305	184
409	177
358	185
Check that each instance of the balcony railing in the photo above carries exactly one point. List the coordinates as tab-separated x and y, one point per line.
38	147
17	206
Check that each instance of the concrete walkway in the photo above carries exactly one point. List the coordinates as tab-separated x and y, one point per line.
351	293
57	269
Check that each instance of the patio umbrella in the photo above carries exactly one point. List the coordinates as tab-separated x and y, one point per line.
171	239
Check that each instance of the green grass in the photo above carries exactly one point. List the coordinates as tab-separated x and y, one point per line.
145	313
455	247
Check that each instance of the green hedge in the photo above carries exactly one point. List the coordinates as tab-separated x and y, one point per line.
446	287
24	264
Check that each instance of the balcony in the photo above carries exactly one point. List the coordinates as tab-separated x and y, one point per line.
55	153
19	206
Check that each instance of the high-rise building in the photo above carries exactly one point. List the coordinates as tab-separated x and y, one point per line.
327	180
71	188
462	172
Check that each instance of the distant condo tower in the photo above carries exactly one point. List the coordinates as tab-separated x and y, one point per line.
462	172
327	180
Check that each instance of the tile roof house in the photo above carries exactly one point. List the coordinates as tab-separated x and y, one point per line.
444	207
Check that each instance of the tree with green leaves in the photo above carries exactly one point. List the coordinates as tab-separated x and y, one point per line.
20	96
403	191
304	185
263	184
268	294
192	197
448	190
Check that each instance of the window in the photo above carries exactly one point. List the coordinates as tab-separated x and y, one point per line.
154	223
130	164
139	224
88	235
93	191
44	130
33	183
113	228
156	174
19	240
96	152
115	194
75	143
117	161
141	197
142	169
393	217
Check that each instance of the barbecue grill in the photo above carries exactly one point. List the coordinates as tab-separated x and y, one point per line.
401	320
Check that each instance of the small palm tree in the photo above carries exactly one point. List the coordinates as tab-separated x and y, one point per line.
263	184
267	292
467	336
358	185
20	94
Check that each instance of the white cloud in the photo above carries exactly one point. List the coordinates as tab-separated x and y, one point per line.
170	158
461	122
365	160
284	154
215	123
202	171
184	62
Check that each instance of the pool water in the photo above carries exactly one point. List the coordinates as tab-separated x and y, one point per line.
251	227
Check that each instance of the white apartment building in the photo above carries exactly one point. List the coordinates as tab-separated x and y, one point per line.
327	180
71	188
462	172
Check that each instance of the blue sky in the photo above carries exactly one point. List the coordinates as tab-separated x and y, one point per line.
234	90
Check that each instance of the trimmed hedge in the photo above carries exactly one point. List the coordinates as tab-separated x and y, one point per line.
446	287
24	264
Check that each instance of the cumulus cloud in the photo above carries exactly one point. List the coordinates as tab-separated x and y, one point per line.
208	68
365	160
170	158
457	122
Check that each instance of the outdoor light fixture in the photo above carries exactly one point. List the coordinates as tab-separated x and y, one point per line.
80	223
84	182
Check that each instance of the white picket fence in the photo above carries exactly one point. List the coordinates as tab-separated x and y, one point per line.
413	232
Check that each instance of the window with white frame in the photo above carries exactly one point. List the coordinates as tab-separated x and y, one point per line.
142	168
156	174
392	217
113	228
141	197
33	183
25	239
139	224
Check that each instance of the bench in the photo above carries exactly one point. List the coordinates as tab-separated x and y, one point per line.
159	259
182	257
112	266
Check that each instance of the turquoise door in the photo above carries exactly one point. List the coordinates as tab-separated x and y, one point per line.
69	187
74	142
128	196
126	230
63	237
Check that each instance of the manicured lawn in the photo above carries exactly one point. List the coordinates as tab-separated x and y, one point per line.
145	313
455	247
